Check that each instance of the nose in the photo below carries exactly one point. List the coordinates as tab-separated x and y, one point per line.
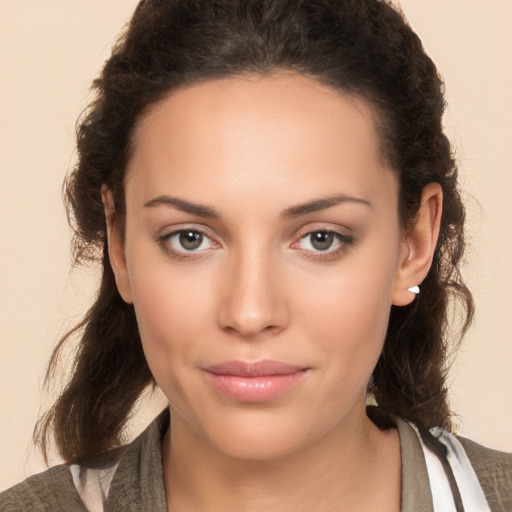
253	298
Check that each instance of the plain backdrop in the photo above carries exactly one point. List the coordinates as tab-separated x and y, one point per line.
49	53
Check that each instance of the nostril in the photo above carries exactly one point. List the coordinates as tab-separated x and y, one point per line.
251	326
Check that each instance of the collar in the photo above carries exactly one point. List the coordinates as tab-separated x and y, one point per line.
138	483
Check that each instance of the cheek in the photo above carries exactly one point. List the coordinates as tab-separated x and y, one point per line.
348	313
172	309
352	328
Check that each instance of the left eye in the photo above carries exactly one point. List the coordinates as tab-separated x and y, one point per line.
188	240
322	241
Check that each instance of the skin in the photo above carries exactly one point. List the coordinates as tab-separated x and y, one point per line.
251	148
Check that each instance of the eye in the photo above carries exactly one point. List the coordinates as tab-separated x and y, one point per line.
323	241
320	240
185	241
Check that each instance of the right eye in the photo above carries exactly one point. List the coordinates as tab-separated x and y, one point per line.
185	242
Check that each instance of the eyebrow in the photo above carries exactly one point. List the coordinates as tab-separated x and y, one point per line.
295	211
184	206
321	204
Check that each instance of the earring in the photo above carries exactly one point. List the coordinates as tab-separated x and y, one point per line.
414	289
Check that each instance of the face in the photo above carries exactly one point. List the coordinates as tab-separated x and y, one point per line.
262	252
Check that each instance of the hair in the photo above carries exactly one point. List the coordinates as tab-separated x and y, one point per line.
363	48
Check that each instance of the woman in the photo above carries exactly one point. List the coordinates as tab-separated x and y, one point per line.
277	212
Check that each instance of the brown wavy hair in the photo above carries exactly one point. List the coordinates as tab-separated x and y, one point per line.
360	47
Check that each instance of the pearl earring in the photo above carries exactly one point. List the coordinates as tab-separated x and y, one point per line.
414	289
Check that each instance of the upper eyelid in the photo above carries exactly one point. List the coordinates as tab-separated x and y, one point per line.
342	237
324	230
308	229
169	231
164	236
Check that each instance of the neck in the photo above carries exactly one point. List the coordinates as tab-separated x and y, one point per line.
333	473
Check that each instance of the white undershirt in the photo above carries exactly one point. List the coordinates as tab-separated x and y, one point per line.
473	497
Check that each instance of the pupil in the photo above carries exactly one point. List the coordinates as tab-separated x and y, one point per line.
322	240
190	239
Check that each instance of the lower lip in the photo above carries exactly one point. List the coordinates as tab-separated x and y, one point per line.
254	389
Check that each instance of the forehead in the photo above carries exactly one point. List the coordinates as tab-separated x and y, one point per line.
247	134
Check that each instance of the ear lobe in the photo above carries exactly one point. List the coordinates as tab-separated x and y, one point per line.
115	246
419	245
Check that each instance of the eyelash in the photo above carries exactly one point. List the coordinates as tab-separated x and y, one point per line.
344	242
183	254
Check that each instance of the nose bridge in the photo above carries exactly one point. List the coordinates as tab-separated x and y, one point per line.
253	300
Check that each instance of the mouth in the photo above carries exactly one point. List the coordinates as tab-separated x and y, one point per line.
254	381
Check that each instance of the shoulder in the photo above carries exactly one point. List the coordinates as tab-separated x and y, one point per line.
128	478
492	468
38	493
494	471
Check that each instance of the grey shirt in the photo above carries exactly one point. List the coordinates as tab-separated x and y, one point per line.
130	478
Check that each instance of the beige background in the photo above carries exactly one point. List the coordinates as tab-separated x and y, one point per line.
49	53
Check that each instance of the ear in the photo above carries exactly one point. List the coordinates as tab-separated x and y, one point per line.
418	245
115	246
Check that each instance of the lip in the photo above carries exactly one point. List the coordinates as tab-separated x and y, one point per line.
254	381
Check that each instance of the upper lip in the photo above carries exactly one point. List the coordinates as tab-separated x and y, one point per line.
254	369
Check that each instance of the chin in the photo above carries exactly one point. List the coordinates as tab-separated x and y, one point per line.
259	435
257	447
